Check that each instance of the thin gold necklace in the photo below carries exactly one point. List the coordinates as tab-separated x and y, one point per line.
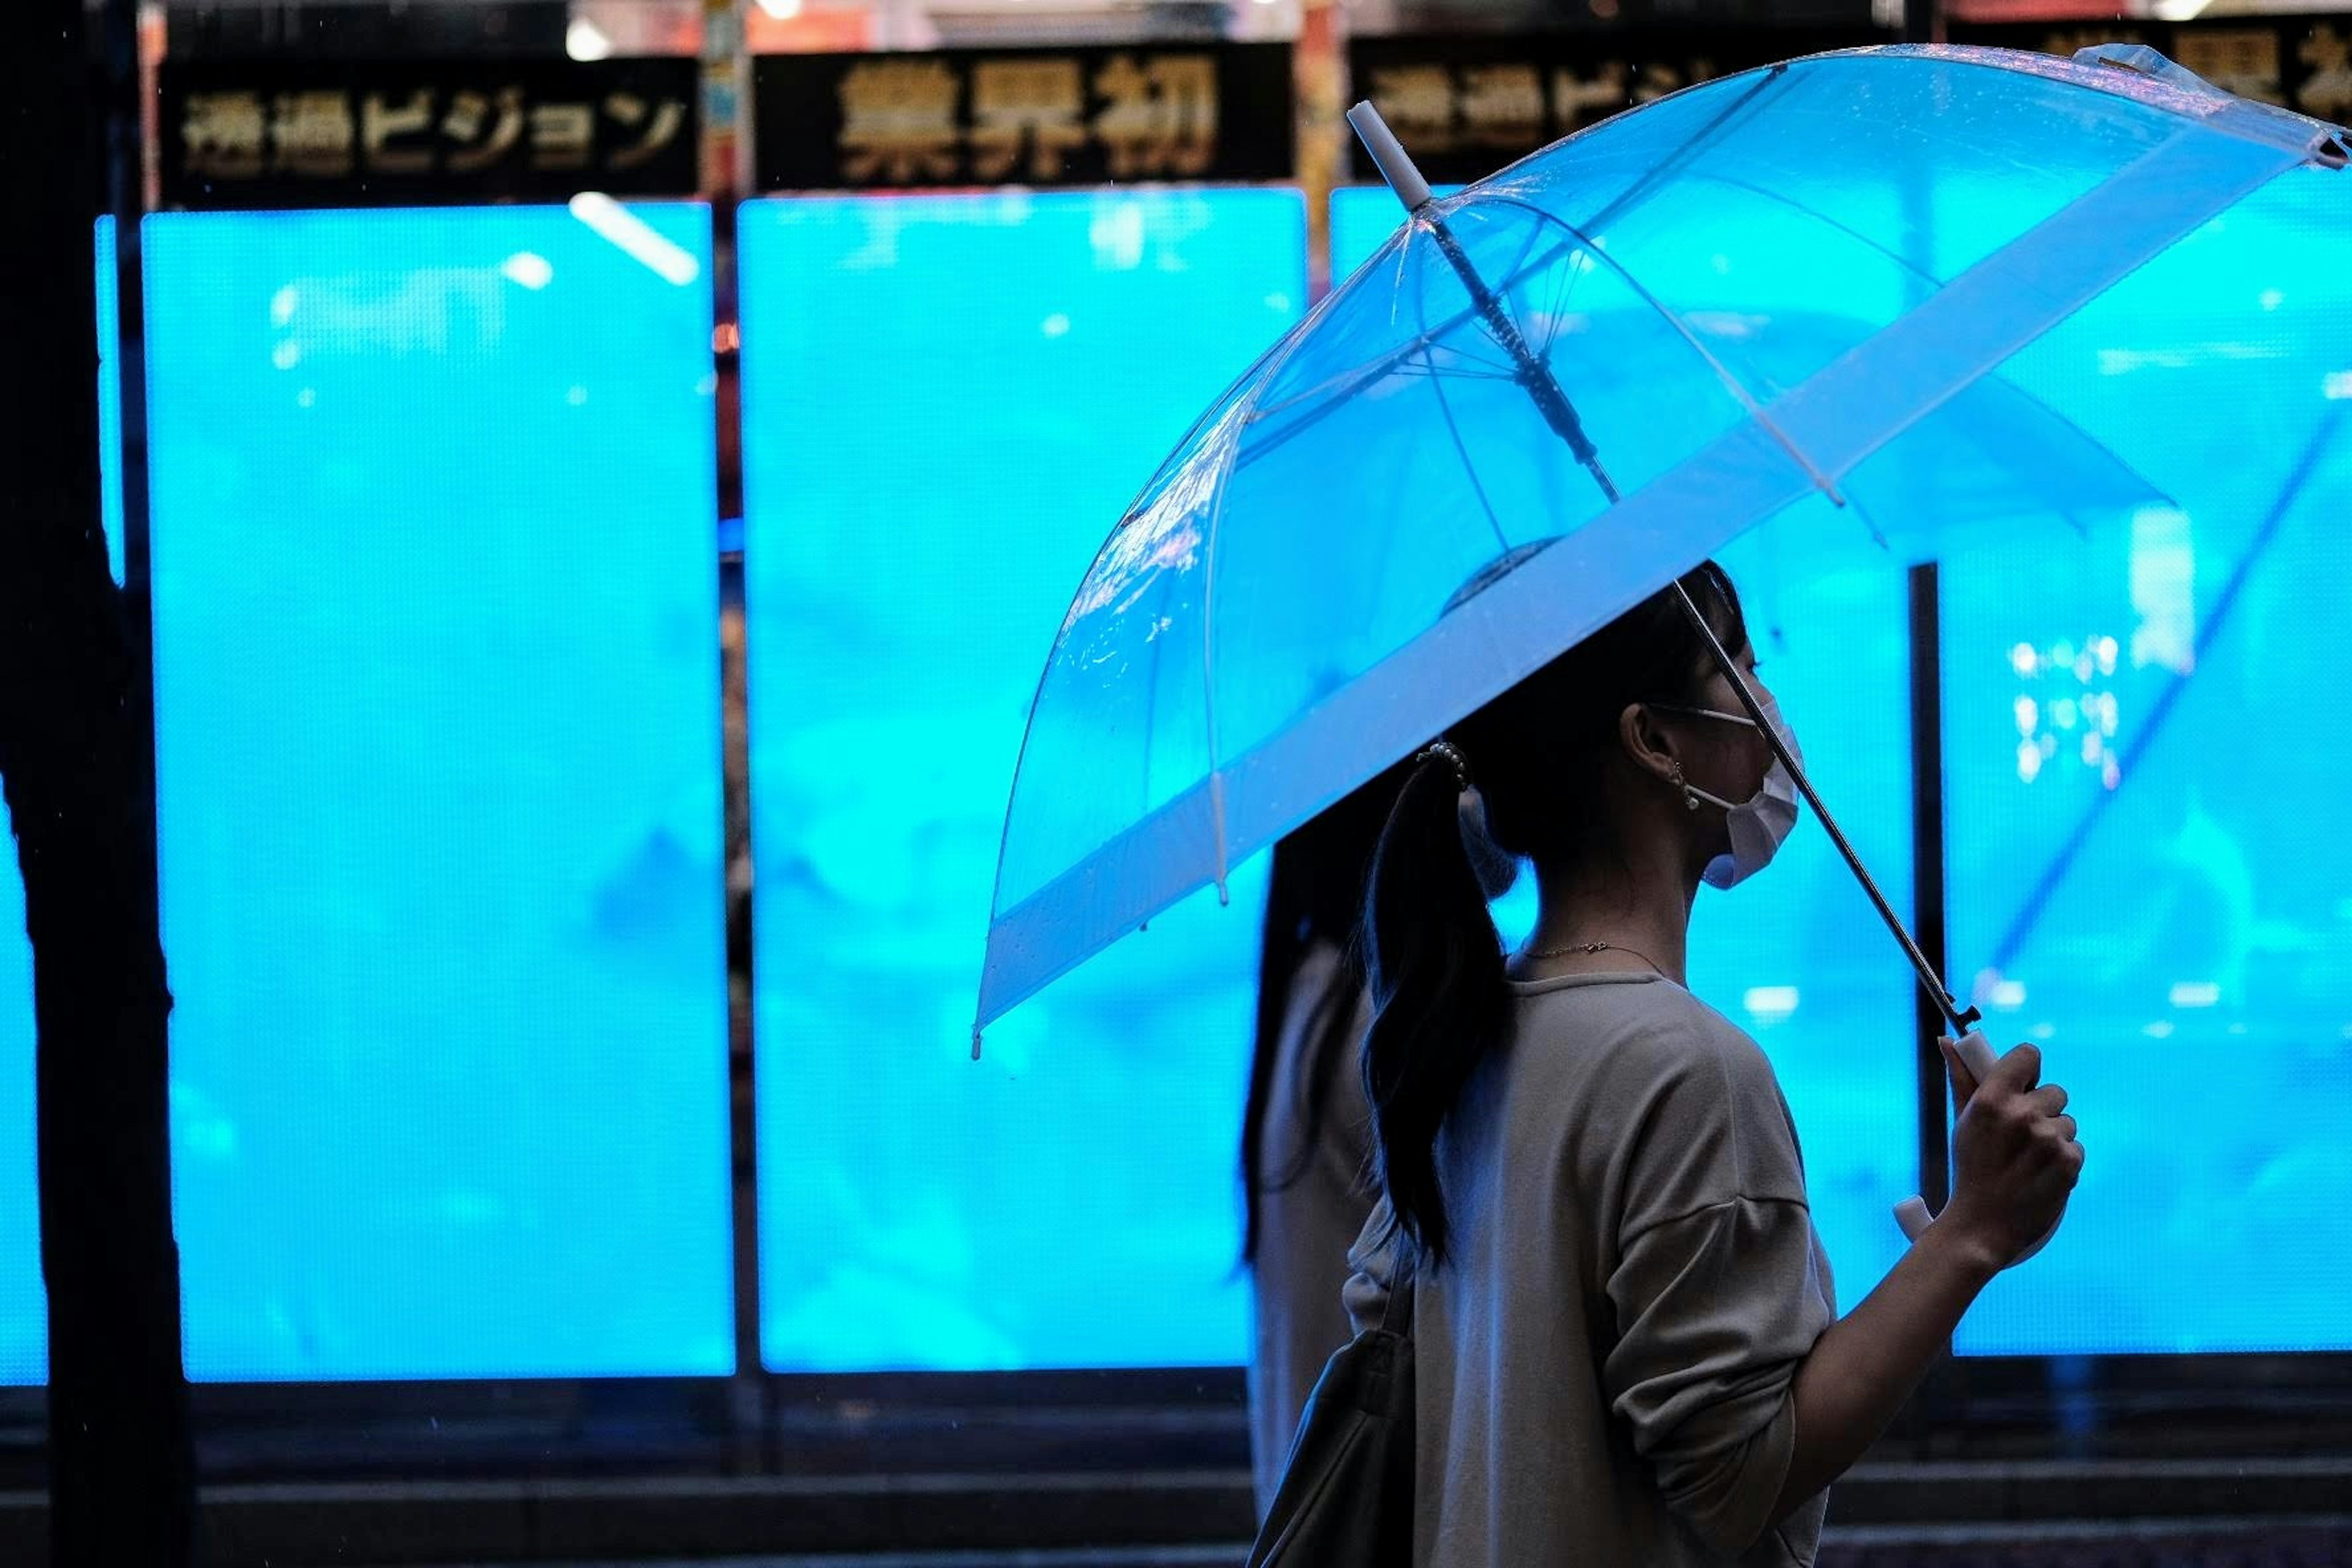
1589	949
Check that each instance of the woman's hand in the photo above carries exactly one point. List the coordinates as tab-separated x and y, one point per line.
2018	1160
2015	1155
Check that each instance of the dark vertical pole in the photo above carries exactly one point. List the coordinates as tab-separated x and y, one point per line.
1927	871
728	129
75	755
752	1388
1930	1420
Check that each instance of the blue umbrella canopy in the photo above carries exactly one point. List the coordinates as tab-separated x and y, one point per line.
1834	294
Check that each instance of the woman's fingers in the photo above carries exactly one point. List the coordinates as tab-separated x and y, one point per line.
2021	1070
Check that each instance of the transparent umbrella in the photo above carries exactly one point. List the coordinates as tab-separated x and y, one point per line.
1796	295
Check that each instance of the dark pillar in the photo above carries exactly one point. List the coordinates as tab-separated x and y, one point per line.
74	765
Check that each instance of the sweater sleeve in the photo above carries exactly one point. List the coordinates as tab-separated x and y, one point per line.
1715	1311
1717	1289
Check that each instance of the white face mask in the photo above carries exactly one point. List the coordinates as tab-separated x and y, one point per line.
1760	826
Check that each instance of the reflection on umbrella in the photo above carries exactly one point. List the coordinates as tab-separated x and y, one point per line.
1545	359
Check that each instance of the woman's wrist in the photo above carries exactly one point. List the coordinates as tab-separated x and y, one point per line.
1962	1249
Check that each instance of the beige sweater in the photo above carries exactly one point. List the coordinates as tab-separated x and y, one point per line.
1606	1361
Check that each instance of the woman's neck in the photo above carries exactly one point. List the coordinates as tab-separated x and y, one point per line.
1628	910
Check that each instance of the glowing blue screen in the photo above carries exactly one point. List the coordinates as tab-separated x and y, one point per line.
437	733
2149	736
948	402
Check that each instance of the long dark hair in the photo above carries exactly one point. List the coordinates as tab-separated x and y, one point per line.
1433	960
1316	896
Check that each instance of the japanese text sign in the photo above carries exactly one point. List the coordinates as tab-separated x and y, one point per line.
1024	117
280	134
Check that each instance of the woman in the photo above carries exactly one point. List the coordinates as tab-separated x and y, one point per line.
1306	1130
1627	1348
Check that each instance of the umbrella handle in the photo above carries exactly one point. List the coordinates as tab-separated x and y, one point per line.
1911	1213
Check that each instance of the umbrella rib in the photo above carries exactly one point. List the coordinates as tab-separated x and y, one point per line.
1801	210
1430	343
1556	314
1776	75
1213	566
1474	367
1427	365
1513	271
1520	260
1414	358
1469	468
1151	695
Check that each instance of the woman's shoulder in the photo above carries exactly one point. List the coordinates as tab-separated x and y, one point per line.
1660	1083
1644	1013
1644	1033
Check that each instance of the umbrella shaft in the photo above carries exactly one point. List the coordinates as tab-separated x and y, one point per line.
1934	983
1533	374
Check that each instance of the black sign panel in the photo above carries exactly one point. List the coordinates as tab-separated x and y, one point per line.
1024	117
2298	62
301	133
1465	106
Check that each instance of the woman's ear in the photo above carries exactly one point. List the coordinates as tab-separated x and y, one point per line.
1647	742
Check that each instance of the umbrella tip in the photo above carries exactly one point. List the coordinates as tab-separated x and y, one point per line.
975	1045
1389	156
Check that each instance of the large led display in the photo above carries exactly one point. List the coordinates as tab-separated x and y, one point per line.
948	402
2149	740
438	734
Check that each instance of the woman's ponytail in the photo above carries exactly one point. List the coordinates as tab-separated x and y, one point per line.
1538	757
1440	995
